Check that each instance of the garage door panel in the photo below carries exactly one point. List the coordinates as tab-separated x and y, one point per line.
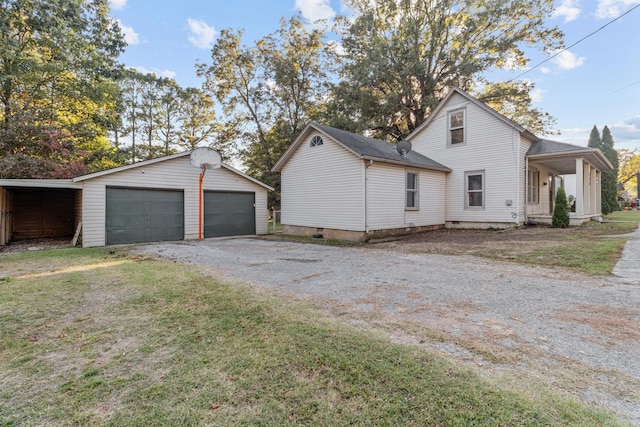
229	214
141	215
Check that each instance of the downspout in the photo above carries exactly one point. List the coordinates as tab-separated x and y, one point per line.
518	188
526	189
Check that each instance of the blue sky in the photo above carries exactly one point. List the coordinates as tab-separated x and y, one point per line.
596	82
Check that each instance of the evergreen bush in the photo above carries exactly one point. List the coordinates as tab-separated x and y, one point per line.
560	212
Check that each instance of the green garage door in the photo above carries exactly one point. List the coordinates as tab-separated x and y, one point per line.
229	213
139	215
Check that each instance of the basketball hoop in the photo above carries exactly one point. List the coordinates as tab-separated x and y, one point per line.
204	158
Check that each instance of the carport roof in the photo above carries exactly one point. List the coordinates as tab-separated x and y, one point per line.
40	183
77	182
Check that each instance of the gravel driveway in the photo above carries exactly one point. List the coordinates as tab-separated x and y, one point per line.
578	333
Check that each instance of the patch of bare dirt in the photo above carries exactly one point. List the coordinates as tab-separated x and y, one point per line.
616	324
36	245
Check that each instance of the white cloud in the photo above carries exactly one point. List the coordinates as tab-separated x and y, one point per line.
130	36
117	4
160	73
315	10
537	95
202	35
568	61
608	9
626	130
568	9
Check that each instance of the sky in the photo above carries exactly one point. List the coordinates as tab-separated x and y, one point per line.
596	82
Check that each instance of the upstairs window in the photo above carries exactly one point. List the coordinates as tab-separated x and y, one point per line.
456	127
412	191
316	140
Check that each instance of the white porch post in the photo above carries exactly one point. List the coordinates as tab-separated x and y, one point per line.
586	205
599	192
579	187
594	185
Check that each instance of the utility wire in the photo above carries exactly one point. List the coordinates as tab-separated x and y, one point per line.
579	41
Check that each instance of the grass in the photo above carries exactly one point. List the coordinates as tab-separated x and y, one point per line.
103	337
624	216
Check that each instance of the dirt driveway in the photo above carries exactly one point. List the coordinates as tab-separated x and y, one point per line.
576	333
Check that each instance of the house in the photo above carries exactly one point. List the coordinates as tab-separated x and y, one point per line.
153	200
347	186
469	167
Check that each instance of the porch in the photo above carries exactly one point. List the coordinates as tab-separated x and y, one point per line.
556	163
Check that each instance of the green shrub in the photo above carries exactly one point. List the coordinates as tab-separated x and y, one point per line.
560	213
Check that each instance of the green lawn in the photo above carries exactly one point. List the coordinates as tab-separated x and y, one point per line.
103	337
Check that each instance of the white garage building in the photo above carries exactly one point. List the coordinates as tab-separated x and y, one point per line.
149	201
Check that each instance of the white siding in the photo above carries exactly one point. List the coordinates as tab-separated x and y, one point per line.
323	187
522	176
174	174
491	146
543	207
386	187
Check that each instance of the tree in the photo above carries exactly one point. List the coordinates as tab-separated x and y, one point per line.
594	138
609	188
268	91
168	116
629	167
401	55
560	218
131	90
198	122
57	63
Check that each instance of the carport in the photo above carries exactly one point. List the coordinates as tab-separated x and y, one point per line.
39	209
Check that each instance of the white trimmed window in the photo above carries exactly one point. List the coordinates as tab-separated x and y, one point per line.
533	186
316	140
412	202
474	190
457	127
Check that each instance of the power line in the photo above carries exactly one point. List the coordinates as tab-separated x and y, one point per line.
579	41
623	88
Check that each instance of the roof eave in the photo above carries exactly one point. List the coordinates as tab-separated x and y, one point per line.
577	153
131	166
406	164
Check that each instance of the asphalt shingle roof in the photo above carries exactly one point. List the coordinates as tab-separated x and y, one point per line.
546	146
375	148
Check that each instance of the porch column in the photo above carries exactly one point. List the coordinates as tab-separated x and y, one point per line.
586	205
594	198
599	192
579	187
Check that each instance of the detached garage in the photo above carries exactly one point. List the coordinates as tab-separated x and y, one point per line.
150	201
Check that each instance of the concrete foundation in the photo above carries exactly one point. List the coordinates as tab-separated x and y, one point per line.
354	236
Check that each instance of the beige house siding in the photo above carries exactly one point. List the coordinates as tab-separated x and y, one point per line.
309	182
174	174
492	147
386	198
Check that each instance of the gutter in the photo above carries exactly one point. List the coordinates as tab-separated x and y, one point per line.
405	163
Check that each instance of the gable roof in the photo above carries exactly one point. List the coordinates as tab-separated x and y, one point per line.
363	147
162	159
456	90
